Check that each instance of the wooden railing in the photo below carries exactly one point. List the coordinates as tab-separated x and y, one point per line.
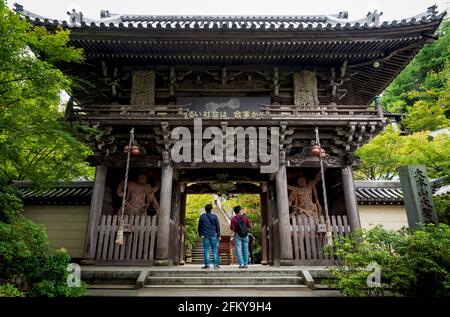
273	111
308	242
138	240
177	112
124	111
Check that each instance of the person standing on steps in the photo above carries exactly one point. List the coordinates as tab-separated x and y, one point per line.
240	225
209	231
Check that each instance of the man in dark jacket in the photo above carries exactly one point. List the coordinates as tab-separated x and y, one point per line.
209	231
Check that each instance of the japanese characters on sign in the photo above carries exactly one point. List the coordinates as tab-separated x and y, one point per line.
223	107
223	115
424	195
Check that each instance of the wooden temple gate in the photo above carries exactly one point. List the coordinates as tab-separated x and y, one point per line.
290	73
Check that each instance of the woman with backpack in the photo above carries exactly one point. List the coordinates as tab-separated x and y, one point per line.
240	225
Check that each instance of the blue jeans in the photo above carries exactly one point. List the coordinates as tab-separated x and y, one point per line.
241	245
207	243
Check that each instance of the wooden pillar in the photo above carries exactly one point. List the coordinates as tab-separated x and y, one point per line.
175	244
165	200
182	223
285	243
264	222
351	202
95	212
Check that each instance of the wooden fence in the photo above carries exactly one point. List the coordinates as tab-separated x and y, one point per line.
139	240
308	241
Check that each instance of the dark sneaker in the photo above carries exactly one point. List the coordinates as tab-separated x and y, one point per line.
205	267
217	267
241	266
245	266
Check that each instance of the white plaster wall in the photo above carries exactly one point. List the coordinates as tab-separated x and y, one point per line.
390	216
65	225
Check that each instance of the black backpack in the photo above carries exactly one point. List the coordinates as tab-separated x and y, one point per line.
241	229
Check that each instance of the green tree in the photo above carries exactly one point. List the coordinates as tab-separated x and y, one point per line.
381	156
432	59
28	266
431	110
390	149
412	263
422	93
35	142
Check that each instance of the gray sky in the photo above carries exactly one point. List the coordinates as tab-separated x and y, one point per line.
392	9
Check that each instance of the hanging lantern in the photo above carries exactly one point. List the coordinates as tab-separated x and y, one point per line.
135	150
126	149
315	151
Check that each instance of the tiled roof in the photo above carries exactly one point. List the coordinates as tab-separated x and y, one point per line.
236	23
367	192
73	193
390	192
290	42
375	192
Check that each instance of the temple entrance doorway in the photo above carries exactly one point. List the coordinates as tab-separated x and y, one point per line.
223	208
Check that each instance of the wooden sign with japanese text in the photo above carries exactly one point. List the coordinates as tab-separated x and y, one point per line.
223	107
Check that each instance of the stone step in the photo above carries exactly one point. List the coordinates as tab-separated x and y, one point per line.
246	286
225	280
235	272
225	291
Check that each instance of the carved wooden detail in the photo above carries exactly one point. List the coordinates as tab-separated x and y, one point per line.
305	88
143	88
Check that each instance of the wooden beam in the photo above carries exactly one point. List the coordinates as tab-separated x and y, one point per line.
165	200
351	202
90	242
286	257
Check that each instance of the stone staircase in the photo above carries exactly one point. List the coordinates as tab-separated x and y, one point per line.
233	277
191	280
197	250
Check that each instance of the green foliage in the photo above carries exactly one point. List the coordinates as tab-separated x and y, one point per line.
422	92
355	253
9	290
442	205
250	204
412	263
195	205
424	263
380	157
35	142
390	149
52	282
26	260
421	73
432	108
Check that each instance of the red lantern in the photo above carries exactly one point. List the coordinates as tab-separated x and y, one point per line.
315	151
126	149
135	150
